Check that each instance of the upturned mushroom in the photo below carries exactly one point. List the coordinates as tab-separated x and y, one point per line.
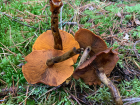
101	63
50	61
41	68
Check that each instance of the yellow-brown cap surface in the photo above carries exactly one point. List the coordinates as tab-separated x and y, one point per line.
36	70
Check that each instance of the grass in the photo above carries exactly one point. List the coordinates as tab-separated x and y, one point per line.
16	42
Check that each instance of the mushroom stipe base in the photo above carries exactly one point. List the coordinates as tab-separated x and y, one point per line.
63	57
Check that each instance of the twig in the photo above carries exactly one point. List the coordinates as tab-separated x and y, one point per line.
18	11
136	63
16	20
17	85
6	91
3	81
54	88
73	97
4	98
61	17
8	59
96	91
5	53
13	86
31	2
28	96
1	100
130	101
11	64
15	44
8	49
33	15
71	23
23	41
29	41
36	35
72	103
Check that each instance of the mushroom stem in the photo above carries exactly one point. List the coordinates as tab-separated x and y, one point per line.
63	57
55	5
84	55
82	59
114	90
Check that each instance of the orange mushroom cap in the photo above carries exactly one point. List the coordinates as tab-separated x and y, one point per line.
87	38
106	59
46	41
36	70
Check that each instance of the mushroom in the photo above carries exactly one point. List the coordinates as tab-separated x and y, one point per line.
55	38
106	59
87	38
102	62
50	61
53	72
94	71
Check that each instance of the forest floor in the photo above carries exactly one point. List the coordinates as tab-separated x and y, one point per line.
117	22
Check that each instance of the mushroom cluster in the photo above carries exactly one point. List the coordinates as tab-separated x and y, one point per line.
55	52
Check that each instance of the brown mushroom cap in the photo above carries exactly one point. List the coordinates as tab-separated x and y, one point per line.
55	4
46	41
36	70
87	38
106	59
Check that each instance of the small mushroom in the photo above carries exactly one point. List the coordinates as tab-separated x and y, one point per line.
87	38
106	59
39	70
101	63
94	71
